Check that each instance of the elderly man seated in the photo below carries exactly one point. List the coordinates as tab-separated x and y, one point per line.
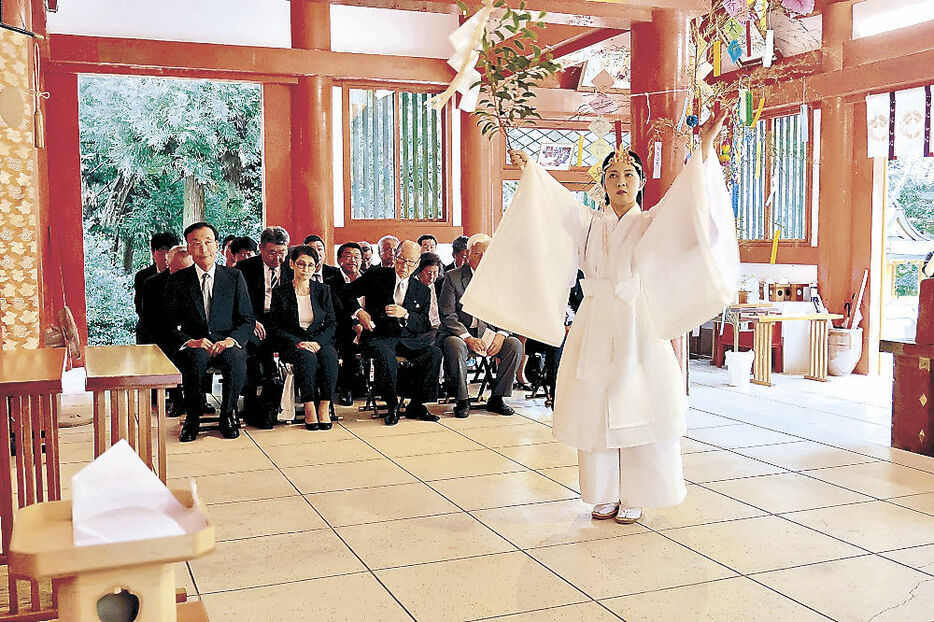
394	315
463	334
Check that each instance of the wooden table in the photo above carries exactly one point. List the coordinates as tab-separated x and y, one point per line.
128	374
912	396
30	399
819	328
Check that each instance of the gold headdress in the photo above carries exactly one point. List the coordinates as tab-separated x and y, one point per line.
622	156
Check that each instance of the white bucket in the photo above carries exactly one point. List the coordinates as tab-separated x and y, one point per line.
844	348
739	366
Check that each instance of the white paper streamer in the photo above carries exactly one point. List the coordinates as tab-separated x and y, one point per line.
877	124
466	42
657	161
909	123
769	50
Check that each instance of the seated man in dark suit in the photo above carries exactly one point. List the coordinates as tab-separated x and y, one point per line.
463	332
393	318
324	271
459	249
347	335
208	322
159	245
262	274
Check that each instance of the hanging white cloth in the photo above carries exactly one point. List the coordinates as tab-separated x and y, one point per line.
877	125
909	123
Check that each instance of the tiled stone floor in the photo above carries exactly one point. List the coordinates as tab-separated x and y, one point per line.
797	510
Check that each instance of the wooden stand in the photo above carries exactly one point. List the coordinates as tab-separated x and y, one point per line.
124	376
43	547
819	330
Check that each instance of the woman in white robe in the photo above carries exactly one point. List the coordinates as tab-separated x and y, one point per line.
649	276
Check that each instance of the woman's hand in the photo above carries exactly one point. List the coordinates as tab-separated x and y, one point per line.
311	346
518	158
711	129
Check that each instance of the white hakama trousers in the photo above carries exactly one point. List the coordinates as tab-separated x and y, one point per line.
638	477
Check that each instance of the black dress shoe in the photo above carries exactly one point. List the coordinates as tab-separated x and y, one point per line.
345	399
419	411
227	426
327	425
208	409
189	433
392	417
496	405
311	426
462	409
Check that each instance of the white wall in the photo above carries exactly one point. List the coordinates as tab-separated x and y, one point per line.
235	22
263	23
872	17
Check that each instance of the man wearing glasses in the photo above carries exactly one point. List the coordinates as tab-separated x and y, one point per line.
394	316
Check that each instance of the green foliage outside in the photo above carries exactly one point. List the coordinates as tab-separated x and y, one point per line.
156	155
911	187
906	279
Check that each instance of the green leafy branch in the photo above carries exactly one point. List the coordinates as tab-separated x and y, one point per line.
511	64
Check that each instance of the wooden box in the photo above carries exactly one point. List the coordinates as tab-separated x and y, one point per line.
780	292
43	547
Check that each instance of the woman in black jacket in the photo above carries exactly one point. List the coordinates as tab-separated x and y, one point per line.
303	325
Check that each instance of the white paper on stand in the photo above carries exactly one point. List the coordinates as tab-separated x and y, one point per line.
117	498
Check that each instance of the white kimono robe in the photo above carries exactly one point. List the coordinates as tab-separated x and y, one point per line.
649	277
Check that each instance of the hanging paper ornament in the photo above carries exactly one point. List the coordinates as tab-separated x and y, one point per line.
749	109
691	120
732	29
597	194
803	122
741	106
596	171
761	9
725	153
799	7
599	149
735	50
749	37
600	126
734	7
769	50
657	161
717	61
755	118
603	81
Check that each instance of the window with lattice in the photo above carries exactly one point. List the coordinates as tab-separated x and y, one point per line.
530	140
396	155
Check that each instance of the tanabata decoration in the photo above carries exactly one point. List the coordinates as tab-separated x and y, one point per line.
498	65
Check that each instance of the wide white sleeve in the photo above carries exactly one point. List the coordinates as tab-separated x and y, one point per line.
522	284
688	259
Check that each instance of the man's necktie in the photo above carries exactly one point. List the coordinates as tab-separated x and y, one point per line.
398	296
274	280
206	294
316	277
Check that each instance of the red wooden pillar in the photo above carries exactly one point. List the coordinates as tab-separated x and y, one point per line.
312	130
62	235
659	60
478	162
277	166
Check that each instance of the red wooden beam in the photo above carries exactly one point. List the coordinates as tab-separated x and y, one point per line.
114	55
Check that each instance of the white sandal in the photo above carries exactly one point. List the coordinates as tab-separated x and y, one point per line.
627	516
604	511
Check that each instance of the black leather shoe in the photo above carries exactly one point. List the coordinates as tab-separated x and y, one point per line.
392	417
327	425
311	426
227	426
208	409
345	399
462	409
419	411
496	405
189	433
